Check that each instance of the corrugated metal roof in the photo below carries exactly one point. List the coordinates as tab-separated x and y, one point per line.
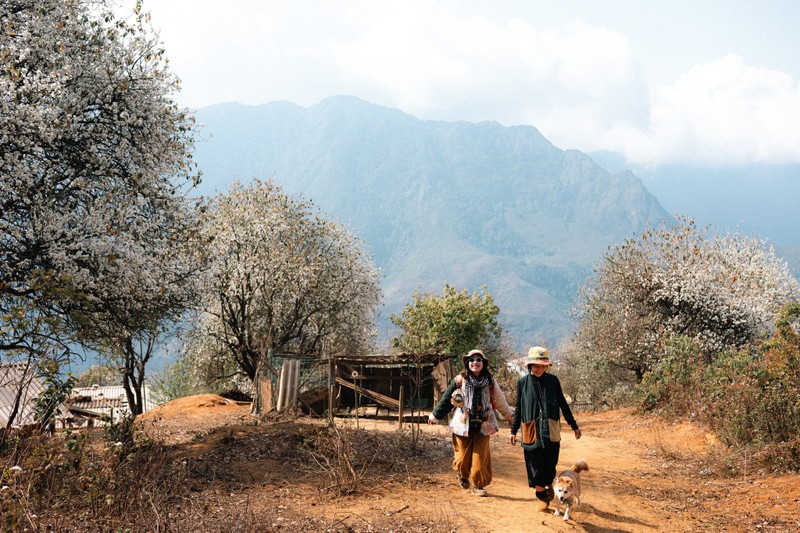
12	376
103	400
400	359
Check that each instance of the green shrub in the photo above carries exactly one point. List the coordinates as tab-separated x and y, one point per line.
731	392
750	399
671	385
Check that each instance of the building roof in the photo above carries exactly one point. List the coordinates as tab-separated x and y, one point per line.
400	359
103	400
12	377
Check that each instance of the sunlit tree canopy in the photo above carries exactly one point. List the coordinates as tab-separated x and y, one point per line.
95	156
722	291
283	278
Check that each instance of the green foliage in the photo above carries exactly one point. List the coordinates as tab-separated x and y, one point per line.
755	397
174	381
453	323
749	398
121	433
670	385
57	388
101	375
782	351
737	396
732	389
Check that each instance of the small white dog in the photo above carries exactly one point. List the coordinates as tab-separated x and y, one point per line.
567	488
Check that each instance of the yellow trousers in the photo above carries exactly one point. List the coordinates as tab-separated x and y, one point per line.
472	459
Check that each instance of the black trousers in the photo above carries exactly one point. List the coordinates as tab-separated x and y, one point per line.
540	464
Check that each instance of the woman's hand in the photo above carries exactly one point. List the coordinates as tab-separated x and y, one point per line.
577	433
432	421
512	439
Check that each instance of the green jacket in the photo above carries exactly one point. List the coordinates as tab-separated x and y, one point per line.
540	399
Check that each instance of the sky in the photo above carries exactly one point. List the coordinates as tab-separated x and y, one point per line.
685	82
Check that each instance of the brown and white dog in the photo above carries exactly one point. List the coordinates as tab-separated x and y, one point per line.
567	488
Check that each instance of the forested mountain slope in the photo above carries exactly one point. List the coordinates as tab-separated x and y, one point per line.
463	203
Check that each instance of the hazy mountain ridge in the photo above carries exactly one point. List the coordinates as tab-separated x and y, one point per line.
469	204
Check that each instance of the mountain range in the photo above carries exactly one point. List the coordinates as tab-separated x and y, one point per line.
469	204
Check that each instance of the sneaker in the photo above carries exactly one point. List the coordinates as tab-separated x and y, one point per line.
477	491
464	483
551	494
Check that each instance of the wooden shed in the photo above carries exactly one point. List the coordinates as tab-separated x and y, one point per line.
402	384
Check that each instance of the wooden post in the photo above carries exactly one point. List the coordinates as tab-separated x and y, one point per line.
282	384
330	404
295	384
331	385
400	410
266	393
255	407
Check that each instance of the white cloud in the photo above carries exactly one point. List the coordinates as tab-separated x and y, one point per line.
594	61
407	53
727	112
723	113
435	64
581	84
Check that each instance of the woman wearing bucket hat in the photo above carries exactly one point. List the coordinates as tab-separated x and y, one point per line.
473	395
540	403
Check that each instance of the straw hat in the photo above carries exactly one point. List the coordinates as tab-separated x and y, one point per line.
537	356
465	358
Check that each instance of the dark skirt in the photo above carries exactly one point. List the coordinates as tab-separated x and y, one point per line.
540	464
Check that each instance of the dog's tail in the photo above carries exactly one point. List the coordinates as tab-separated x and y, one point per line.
580	466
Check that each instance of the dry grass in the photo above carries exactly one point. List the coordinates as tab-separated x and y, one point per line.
217	483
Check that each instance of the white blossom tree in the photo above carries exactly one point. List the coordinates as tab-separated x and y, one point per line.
150	297
723	291
283	278
95	160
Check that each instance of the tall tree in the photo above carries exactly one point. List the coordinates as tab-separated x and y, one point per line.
452	323
722	291
95	158
283	278
160	284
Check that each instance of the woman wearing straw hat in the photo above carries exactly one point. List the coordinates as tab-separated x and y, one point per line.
540	403
474	395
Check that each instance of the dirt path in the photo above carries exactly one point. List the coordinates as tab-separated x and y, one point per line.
645	476
603	507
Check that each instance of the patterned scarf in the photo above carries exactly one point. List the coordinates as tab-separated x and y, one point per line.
477	396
